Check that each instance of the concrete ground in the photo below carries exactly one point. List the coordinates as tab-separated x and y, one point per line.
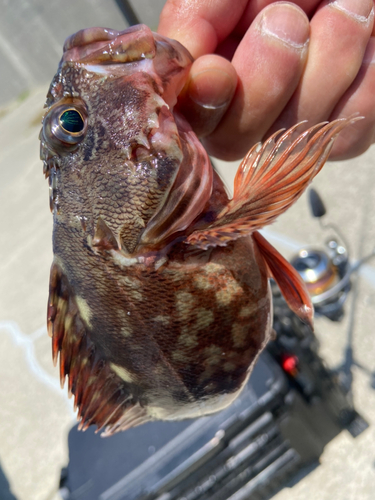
36	415
347	470
32	33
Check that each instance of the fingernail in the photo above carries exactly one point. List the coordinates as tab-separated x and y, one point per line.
359	9
211	88
369	55
287	23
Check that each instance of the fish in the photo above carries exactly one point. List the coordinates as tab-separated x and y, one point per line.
159	297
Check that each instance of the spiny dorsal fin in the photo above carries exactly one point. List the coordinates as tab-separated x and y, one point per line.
101	396
269	180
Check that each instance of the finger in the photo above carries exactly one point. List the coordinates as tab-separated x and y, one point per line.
200	25
359	98
255	6
208	93
340	31
228	46
269	62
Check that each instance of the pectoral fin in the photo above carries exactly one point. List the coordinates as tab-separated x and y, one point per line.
289	281
269	180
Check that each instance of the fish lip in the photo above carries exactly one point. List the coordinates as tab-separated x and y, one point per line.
89	35
106	46
181	52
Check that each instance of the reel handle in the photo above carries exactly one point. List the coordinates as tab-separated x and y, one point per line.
316	204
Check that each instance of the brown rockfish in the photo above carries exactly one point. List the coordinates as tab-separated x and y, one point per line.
159	299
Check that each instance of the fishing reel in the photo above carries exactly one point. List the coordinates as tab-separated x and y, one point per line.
327	272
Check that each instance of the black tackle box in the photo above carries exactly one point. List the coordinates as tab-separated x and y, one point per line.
275	431
271	436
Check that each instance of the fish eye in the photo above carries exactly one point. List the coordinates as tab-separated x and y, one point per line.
65	126
71	121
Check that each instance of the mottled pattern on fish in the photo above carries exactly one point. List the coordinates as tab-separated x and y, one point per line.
159	298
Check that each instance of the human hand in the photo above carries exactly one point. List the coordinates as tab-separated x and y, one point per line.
262	65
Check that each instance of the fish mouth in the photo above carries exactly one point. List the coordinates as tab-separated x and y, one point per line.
106	46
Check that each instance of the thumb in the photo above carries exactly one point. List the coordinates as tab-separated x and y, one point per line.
208	92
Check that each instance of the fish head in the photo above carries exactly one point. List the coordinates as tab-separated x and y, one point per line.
111	144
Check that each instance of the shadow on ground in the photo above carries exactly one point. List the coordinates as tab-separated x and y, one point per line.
5	491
